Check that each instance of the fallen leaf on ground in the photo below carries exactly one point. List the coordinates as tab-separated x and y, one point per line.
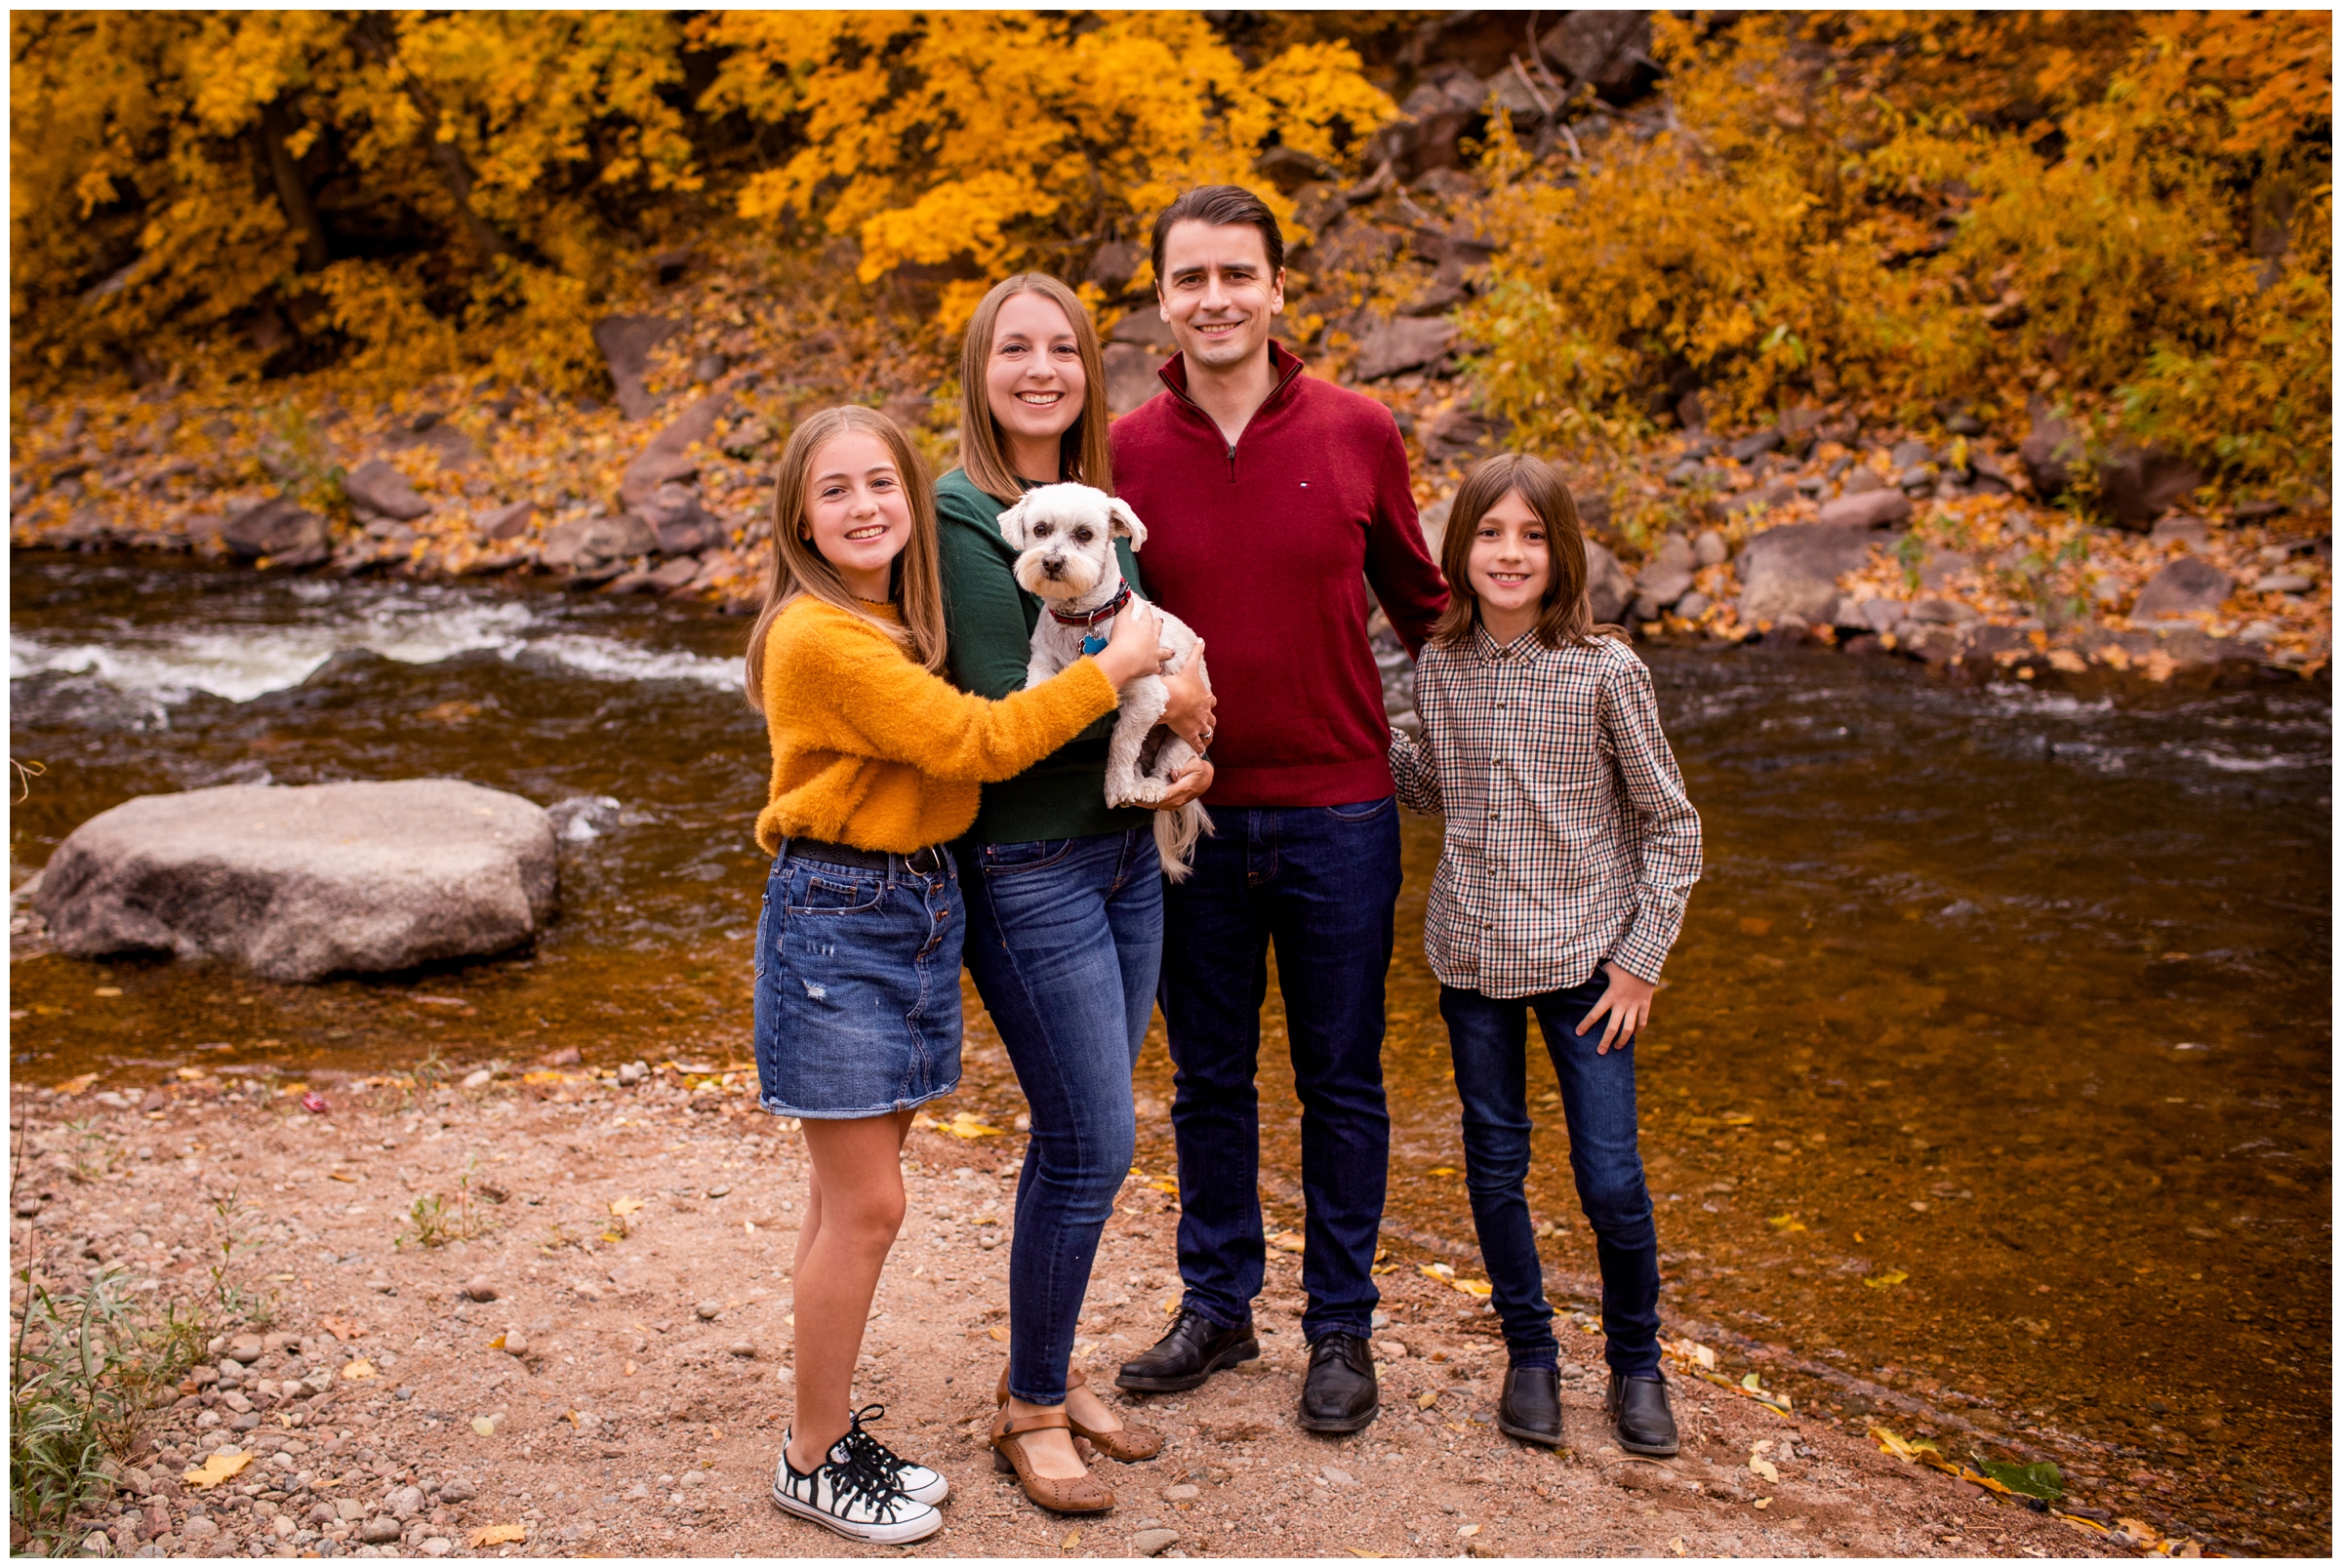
1785	1223
1361	1551
1739	1118
1441	1170
622	1207
965	1124
1001	1332
547	1075
1764	1502
1288	1241
1468	1530
341	1328
360	1368
1072	1540
1475	1287
1425	1401
341	1176
499	1535
1676	1547
1893	1276
75	1086
1764	1468
222	1464
485	1425
2042	1481
1446	1274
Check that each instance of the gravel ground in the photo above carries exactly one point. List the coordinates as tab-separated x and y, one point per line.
624	1390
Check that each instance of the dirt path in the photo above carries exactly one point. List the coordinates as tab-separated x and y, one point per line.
641	1412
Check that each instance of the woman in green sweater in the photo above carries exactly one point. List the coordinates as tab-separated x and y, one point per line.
1065	892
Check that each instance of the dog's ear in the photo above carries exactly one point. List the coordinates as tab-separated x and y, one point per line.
1011	526
1125	522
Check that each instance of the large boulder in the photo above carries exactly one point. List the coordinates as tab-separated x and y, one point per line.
589	544
625	342
680	524
1793	570
295	884
669	458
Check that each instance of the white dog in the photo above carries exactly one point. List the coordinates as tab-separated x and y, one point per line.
1065	533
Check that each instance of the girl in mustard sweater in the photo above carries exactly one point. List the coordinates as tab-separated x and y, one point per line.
876	760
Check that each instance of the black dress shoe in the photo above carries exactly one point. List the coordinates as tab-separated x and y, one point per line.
1339	1394
1193	1349
1531	1408
1640	1418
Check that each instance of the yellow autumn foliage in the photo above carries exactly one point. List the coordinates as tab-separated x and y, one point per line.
2124	214
1002	142
408	195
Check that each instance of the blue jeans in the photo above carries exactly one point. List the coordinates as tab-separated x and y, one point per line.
857	996
1489	1040
1319	883
1064	938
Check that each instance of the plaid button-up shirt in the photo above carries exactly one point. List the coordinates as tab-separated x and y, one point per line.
1569	837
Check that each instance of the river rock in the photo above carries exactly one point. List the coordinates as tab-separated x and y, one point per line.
2050	451
295	884
508	521
681	525
1608	588
378	487
2140	483
1710	548
669	458
2189	586
591	543
1793	570
1870	509
1666	577
278	528
1408	342
2180	529
1609	50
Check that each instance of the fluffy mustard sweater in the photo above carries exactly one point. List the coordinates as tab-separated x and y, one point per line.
869	749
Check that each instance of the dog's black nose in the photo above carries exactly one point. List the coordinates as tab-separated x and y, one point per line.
1053	565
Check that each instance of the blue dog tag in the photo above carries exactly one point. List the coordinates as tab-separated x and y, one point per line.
1093	644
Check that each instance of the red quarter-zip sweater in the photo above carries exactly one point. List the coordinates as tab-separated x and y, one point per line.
1265	548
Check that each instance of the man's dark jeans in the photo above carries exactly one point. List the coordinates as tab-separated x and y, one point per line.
1489	1040
1318	882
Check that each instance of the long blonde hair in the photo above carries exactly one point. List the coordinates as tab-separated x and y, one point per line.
1083	456
1564	612
798	568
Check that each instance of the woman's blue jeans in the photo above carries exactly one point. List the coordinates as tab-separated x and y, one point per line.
1065	940
1488	1037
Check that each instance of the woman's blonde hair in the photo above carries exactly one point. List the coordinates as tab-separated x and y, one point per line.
1564	614
798	568
1083	456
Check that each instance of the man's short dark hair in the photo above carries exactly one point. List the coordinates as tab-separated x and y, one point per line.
1219	206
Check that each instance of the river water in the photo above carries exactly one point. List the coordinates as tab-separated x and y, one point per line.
1990	1094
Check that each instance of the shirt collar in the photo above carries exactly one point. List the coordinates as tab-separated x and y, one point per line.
1487	649
1282	360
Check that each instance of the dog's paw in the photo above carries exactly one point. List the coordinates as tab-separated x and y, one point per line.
1148	792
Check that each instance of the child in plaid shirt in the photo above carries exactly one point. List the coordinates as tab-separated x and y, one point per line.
1570	850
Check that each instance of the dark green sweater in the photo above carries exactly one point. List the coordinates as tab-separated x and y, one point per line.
990	622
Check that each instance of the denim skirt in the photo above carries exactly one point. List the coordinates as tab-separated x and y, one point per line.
857	986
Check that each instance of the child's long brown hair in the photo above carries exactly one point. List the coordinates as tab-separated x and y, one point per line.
1564	615
798	568
1083	456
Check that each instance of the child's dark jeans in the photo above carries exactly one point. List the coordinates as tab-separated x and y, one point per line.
1489	1040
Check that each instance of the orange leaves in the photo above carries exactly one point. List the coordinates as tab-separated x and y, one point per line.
995	136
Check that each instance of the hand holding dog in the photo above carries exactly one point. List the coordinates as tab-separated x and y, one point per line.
1192	783
1189	710
1135	648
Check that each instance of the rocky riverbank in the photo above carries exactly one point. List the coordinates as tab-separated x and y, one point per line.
548	1315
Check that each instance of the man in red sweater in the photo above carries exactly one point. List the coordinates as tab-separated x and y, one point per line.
1272	501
